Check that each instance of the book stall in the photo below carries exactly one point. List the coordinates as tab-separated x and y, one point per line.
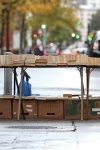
67	106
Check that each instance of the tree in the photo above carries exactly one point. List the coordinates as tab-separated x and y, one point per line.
60	21
5	20
51	12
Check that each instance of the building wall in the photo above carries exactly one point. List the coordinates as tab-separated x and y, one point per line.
5	40
85	15
94	3
81	1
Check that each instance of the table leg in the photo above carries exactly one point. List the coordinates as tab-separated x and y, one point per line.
20	94
82	91
87	95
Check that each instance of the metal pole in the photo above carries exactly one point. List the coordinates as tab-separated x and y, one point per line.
44	37
8	79
44	34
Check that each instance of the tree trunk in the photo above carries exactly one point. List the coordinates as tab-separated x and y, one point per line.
7	30
90	46
2	31
22	35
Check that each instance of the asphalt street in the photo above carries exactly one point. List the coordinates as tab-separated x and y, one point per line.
49	135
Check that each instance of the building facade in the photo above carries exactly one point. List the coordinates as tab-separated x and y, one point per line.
81	2
93	3
85	15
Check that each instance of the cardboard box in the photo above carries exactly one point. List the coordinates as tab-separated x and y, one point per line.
94	108
67	95
50	109
29	106
5	109
73	109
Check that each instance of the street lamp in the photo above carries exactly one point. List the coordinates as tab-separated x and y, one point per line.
43	26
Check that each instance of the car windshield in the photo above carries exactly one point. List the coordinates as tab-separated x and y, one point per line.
54	47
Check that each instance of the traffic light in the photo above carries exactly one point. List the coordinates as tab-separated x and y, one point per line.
78	22
89	38
77	36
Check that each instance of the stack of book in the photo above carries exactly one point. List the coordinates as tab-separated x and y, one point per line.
30	60
82	59
40	60
18	60
71	60
51	60
61	60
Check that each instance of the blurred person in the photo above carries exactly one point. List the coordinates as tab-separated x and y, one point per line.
35	49
38	46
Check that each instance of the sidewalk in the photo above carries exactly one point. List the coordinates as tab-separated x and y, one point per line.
49	135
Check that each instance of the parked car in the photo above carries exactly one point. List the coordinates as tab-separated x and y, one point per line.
81	50
67	51
51	49
95	50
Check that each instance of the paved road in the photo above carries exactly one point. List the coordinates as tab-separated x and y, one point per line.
49	135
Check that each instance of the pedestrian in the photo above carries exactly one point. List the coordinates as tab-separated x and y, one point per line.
38	47
35	49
